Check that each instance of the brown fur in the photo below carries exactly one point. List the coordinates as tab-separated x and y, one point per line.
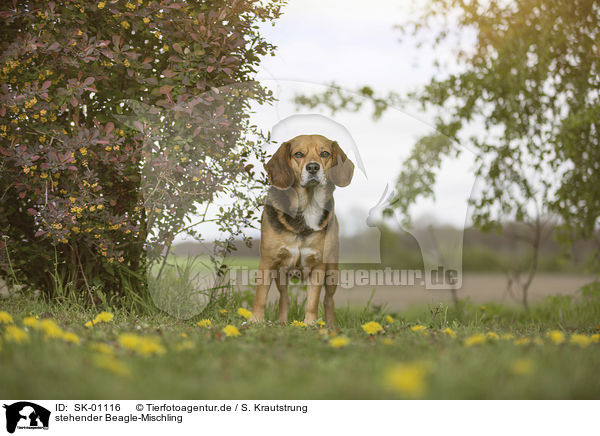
299	232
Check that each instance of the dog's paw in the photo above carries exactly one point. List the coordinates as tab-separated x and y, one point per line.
309	321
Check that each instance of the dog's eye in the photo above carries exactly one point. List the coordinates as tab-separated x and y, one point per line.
324	154
299	154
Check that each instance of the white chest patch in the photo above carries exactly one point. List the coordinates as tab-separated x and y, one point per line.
314	210
308	257
303	256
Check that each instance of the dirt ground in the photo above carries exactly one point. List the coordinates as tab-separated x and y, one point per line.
481	288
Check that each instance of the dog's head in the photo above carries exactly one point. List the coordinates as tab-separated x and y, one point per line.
309	160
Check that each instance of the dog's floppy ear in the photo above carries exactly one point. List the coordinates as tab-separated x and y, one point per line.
278	168
342	170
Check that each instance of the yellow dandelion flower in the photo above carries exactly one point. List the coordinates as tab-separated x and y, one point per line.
339	342
50	328
521	367
101	5
492	335
30	321
144	346
407	378
111	364
296	323
321	323
522	341
556	336
419	329
223	311
15	334
103	348
6	318
475	340
165	47
89	324
130	6
185	345
129	341
595	338
449	332
244	313
372	328
204	323
389	319
125	24
103	317
231	330
146	20
581	340
324	333
71	337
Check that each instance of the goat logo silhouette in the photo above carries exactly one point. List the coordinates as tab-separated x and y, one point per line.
26	415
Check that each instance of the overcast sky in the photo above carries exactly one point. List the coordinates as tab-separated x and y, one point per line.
354	43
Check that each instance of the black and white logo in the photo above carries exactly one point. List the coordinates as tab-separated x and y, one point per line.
26	415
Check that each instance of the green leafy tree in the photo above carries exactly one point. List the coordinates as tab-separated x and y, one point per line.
99	101
525	97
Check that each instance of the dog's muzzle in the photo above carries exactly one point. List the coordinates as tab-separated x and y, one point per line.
312	174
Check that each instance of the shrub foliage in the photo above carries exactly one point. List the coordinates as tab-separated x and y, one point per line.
117	120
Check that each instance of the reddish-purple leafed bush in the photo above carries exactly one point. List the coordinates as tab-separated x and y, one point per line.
117	119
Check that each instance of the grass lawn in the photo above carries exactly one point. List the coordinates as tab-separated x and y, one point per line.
427	352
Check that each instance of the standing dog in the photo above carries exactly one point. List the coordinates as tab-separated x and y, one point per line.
299	231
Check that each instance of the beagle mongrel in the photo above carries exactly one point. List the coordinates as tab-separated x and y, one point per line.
299	232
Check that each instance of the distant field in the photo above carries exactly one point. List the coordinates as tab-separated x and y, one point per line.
478	287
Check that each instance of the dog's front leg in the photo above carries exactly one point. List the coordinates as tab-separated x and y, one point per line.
284	303
313	289
263	283
331	282
282	287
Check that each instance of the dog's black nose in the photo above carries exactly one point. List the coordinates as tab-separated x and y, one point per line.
312	167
